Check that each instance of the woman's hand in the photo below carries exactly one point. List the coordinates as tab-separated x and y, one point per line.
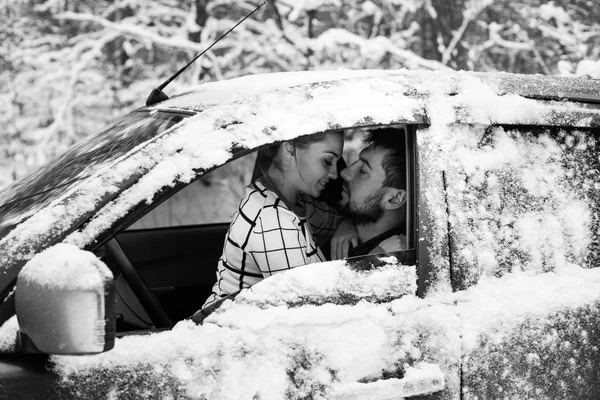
344	237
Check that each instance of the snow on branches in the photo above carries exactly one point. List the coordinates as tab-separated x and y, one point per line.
70	67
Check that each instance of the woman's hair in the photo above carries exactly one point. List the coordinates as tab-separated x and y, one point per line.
269	155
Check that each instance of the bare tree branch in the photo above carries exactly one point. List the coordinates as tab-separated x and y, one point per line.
65	112
469	15
180	43
342	37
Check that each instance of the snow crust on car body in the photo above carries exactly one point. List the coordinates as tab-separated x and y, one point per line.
511	199
416	83
275	338
265	344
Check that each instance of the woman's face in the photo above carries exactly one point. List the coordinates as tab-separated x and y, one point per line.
317	163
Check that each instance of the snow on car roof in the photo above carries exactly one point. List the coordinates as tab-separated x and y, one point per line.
213	93
533	86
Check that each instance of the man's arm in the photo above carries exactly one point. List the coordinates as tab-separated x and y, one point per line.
345	238
322	217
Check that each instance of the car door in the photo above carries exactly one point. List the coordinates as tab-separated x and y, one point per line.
155	379
523	203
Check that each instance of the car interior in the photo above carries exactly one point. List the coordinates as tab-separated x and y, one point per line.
174	248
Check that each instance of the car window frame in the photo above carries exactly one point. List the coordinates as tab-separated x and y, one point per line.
164	194
194	181
161	196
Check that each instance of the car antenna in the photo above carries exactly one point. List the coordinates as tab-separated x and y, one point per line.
157	95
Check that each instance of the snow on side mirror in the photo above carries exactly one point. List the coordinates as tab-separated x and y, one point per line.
65	303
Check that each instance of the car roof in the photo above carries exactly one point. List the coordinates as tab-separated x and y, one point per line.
542	87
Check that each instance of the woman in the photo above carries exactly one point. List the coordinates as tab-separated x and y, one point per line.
273	228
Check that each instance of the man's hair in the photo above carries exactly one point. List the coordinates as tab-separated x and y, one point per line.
392	140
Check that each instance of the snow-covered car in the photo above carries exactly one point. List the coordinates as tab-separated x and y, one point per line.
110	248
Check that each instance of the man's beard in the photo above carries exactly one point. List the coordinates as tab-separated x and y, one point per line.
368	211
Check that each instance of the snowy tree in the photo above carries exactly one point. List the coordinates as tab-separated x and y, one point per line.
67	68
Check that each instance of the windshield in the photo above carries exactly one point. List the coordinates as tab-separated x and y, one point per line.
38	189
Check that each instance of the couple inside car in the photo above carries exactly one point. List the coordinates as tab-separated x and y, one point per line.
280	219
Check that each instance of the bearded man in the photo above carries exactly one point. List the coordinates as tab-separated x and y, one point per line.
374	195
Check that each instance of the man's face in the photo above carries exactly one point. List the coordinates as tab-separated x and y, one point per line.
362	191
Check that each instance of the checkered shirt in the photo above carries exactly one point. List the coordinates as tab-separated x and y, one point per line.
266	237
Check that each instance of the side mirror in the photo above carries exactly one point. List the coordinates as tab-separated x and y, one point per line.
65	303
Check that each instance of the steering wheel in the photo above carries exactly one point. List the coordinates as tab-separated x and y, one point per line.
147	299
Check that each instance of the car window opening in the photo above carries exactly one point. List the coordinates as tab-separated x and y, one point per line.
177	245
